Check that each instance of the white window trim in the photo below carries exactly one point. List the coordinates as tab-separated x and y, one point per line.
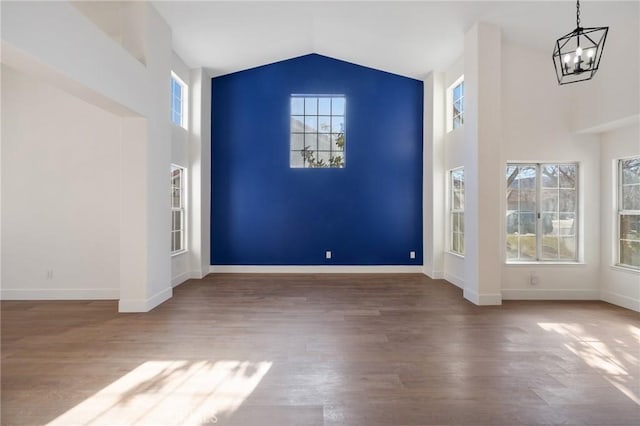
578	255
618	213
182	209
185	102
449	105
449	241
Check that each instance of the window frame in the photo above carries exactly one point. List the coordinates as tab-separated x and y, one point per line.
184	96
181	209
453	211
621	211
451	101
539	235
317	132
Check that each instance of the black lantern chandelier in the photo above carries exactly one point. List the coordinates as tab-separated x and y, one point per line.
576	56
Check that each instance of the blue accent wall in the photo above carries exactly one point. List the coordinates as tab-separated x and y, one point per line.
265	213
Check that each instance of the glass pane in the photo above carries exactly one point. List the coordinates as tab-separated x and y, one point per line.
338	160
567	224
461	243
567	200
549	200
512	222
457	121
631	197
175	197
567	248
297	124
296	159
550	247
175	220
297	141
455	222
550	176
457	108
324	142
323	159
337	124
568	175
527	247
527	224
324	124
311	141
338	140
338	106
324	106
311	124
175	118
513	197
527	200
549	223
297	106
178	236
177	89
457	200
461	221
630	227
512	246
457	92
512	173
311	106
631	171
454	242
630	253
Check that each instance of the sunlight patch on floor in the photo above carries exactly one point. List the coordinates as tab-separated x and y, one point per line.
612	360
170	393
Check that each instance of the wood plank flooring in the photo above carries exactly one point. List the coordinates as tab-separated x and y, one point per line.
320	349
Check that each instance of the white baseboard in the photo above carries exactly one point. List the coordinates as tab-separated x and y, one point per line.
177	280
487	299
145	305
621	300
454	279
197	274
549	294
60	294
434	275
316	269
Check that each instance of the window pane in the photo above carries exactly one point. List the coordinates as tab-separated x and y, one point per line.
455	223
567	224
297	106
311	141
630	227
296	159
631	171
549	200
297	124
549	223
631	197
311	124
630	253
324	142
457	122
337	160
461	221
324	124
527	247
338	106
338	142
297	141
567	248
549	247
567	199
549	176
337	124
457	92
324	106
175	197
176	223
311	106
568	175
527	223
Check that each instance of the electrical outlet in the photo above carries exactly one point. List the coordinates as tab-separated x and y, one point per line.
49	274
412	255
327	254
533	278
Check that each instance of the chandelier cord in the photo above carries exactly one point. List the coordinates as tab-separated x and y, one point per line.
578	13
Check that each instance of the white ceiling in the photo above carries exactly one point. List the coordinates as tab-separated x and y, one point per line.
407	38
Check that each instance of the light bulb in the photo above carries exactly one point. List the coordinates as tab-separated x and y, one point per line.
590	53
579	51
576	59
567	57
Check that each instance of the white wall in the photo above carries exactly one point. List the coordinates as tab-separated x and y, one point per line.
180	264
618	285
453	158
536	127
75	54
60	189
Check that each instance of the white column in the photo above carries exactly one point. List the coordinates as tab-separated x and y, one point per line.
433	197
200	173
483	171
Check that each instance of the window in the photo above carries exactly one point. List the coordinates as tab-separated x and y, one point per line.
455	105
629	212
317	131
456	212
178	101
177	209
542	219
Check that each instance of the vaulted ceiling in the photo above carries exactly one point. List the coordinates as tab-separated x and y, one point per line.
408	38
